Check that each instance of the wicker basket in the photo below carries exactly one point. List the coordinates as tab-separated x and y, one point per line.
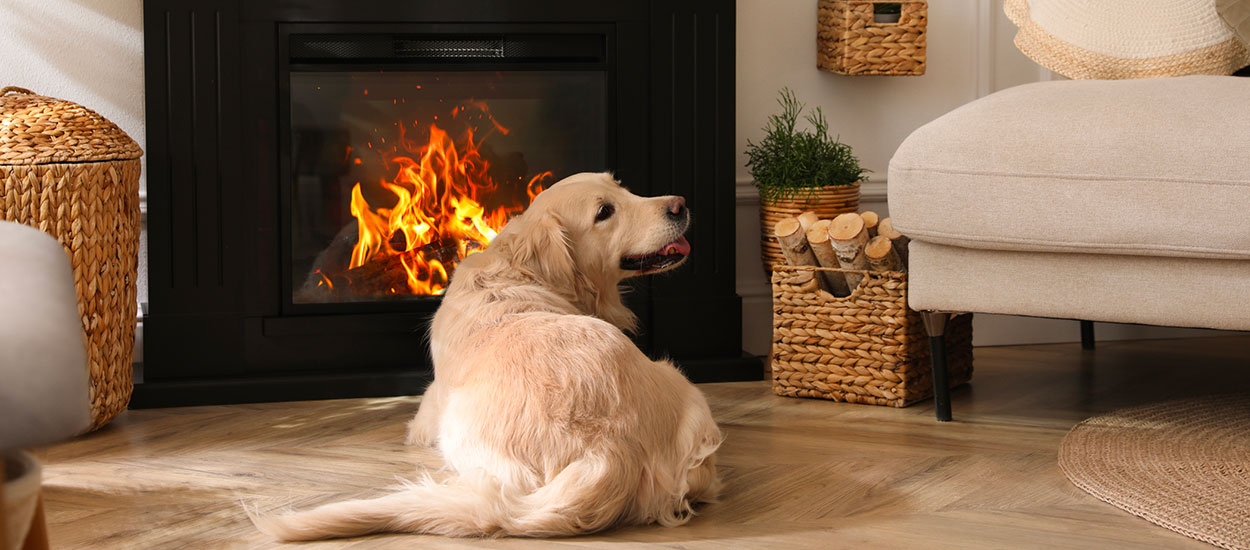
849	42
827	202
73	174
868	347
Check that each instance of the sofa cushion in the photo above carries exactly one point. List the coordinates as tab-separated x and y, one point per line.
1151	290
1153	167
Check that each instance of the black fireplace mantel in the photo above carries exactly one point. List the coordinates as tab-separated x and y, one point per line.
216	329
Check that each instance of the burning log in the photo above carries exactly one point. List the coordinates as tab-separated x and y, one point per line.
381	275
377	277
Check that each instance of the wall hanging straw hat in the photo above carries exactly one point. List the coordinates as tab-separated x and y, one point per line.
1113	39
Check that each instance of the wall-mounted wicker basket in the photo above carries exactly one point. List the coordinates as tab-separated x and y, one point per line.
68	171
868	347
849	41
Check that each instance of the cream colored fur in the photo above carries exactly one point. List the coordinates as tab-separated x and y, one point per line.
553	421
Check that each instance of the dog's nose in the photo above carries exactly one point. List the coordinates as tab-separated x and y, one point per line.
677	207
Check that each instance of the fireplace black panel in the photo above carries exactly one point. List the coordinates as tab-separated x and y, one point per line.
218	328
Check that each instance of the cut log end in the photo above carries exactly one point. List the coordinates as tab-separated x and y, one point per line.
870	222
881	254
886	229
870	218
787	227
818	232
846	227
807	219
878	247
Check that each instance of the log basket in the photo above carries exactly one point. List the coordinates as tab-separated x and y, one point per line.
827	202
71	173
868	347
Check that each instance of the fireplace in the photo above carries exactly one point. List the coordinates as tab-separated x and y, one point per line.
317	170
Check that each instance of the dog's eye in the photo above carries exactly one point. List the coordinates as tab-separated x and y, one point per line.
605	212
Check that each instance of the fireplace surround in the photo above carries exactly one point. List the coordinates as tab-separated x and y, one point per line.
316	169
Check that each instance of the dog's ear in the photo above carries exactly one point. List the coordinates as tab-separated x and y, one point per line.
541	248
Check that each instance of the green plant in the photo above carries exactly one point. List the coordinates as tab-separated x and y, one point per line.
791	162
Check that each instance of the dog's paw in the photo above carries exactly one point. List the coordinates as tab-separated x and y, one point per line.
418	434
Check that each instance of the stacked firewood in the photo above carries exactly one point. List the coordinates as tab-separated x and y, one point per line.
858	242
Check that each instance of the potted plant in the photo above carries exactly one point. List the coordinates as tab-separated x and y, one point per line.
800	169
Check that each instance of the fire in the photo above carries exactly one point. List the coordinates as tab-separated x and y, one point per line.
438	217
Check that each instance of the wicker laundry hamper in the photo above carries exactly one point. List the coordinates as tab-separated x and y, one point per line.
868	347
73	174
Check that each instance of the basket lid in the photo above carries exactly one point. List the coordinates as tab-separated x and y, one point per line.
37	129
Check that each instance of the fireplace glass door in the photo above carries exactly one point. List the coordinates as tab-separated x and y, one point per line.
397	175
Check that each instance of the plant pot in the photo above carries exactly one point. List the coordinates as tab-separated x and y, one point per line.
21	496
827	202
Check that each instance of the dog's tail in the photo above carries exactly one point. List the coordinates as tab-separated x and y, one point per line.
587	496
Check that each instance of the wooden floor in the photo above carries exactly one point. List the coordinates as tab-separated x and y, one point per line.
799	473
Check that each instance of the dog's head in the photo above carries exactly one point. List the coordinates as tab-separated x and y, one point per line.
586	233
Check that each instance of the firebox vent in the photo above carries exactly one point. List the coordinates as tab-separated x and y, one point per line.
449	48
324	48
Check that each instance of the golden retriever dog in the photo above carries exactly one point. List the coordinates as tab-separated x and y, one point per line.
552	421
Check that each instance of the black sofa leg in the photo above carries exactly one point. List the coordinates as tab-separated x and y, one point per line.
1087	335
935	326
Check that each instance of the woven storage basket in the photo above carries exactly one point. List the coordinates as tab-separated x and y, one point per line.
849	42
868	347
827	202
73	174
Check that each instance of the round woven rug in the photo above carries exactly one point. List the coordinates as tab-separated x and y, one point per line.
1184	465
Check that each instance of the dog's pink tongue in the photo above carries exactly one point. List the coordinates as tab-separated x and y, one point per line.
680	246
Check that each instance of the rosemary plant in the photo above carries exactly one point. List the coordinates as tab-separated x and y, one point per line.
791	163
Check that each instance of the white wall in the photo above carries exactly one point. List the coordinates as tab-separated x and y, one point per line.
970	54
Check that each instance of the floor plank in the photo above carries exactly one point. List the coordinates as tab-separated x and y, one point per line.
799	473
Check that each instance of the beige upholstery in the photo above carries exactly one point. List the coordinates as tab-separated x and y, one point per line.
1157	167
1122	201
1099	287
43	360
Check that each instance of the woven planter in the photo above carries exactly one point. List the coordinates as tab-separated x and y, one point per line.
850	42
73	174
827	202
868	347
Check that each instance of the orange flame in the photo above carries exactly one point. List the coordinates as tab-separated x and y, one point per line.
438	217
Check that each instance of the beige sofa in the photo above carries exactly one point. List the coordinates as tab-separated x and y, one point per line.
1124	201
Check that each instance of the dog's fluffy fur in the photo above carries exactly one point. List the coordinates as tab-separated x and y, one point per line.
552	420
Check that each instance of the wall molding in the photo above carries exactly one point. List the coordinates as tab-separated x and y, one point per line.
870	191
985	58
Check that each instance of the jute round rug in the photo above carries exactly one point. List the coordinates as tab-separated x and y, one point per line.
1184	465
